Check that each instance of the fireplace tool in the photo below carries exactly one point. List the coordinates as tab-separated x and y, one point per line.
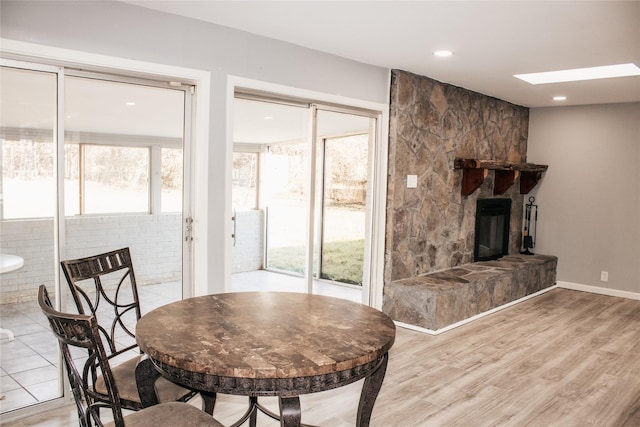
529	238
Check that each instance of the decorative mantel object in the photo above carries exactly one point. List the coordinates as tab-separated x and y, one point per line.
529	235
475	171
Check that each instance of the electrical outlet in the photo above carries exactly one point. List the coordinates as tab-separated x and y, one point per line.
604	276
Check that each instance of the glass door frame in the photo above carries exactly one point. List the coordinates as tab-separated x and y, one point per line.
376	186
188	286
321	210
65	396
209	274
313	235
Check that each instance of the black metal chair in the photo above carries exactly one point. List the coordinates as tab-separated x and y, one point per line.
80	330
105	286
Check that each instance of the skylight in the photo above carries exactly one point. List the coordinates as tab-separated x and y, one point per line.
442	53
578	74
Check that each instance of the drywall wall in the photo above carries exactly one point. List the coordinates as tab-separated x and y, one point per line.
128	31
132	32
589	199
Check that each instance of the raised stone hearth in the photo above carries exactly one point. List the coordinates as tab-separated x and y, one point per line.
437	132
436	300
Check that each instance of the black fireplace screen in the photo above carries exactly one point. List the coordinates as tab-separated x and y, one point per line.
492	229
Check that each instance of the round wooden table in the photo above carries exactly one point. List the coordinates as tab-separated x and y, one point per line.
269	344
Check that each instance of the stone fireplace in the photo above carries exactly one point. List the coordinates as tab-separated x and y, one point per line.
431	280
432	227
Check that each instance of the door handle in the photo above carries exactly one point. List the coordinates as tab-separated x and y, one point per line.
235	223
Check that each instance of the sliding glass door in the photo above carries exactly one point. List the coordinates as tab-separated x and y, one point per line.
123	186
90	163
343	165
28	134
313	196
286	207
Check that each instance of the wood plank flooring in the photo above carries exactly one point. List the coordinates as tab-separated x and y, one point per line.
565	358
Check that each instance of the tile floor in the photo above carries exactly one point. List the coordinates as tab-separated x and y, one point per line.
29	363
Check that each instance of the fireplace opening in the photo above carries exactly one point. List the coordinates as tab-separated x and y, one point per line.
492	229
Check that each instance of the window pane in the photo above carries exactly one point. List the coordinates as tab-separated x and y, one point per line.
116	179
344	209
29	364
286	220
171	197
114	124
27	121
71	179
245	176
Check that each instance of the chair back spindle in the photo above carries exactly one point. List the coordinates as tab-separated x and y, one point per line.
105	285
82	331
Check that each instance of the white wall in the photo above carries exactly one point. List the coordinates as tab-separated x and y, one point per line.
131	32
589	199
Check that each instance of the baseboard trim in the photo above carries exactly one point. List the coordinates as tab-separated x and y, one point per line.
471	319
598	290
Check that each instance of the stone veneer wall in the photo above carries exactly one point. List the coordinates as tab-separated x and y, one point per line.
431	227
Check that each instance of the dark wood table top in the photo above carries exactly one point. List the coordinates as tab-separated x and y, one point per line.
274	335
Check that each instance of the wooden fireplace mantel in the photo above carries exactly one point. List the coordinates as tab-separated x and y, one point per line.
474	172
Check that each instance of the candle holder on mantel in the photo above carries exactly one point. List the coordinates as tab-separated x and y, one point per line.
529	237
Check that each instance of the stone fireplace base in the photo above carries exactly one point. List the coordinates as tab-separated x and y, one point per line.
436	300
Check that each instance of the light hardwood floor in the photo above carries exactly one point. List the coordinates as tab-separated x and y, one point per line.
564	358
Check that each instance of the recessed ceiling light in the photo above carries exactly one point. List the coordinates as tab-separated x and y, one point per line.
268	117
578	74
130	103
442	53
560	98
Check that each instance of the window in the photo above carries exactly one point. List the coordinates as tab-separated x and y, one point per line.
122	146
109	179
126	134
245	178
27	123
171	171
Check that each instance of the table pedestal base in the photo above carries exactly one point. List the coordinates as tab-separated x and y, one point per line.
291	413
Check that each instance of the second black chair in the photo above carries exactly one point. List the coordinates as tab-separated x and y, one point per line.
105	286
82	331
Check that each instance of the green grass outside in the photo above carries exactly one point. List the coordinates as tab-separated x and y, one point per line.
342	262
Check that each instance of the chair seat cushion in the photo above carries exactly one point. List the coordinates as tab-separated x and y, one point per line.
124	375
170	414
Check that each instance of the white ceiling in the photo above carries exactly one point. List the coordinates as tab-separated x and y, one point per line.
492	40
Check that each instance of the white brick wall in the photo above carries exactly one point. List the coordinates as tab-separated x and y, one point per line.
154	240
